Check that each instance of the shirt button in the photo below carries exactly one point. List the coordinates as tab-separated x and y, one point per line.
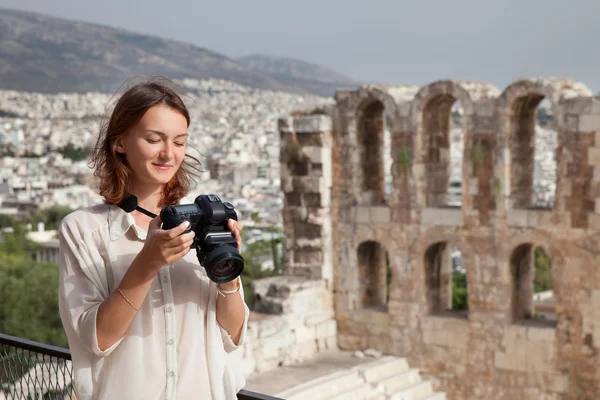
171	373
170	342
168	309
165	279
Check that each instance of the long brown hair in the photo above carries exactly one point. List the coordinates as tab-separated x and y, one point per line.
112	168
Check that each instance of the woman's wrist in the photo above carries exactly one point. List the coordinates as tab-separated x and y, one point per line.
231	285
145	266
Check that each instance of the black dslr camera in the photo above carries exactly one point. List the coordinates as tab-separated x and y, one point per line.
215	245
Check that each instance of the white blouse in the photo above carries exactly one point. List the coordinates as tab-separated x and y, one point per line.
174	348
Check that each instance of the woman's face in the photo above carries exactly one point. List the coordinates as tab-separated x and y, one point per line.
155	146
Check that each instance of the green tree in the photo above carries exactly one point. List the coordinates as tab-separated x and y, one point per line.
256	252
459	291
29	307
16	243
75	153
542	279
29	290
50	216
7	221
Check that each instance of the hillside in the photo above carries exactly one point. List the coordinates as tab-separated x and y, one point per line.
298	73
47	54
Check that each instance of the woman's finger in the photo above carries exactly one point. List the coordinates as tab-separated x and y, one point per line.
238	238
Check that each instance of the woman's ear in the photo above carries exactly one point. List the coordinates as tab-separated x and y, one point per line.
118	146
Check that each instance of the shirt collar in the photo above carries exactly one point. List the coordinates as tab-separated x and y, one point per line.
119	222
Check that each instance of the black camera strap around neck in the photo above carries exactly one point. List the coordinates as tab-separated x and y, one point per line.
130	203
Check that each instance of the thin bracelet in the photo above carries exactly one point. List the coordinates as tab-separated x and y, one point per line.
228	292
127	300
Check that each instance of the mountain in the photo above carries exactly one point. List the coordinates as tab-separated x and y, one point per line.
40	53
298	73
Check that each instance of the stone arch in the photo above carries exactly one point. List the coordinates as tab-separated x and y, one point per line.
375	111
435	254
517	108
431	122
522	272
374	275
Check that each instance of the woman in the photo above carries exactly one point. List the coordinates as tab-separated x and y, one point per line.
142	318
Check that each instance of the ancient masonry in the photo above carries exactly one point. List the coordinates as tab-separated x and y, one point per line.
340	223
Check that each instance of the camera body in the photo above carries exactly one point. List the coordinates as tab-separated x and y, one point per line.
216	247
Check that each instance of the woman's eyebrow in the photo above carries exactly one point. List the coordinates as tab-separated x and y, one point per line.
164	135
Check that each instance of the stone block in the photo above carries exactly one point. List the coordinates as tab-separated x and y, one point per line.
287	185
430	216
541	334
539	356
594	221
318	317
317	215
445	331
596	174
331	342
571	123
593	156
295	213
310	243
308	256
517	217
326	329
317	154
304	334
450	217
312	123
308	184
589	123
380	214
474	186
559	384
362	214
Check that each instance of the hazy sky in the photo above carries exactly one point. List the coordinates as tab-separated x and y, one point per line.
390	41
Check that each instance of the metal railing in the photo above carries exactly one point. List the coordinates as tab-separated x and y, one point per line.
31	370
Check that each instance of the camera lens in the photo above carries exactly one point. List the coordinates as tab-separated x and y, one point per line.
223	264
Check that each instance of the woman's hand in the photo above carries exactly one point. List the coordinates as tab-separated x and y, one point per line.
236	228
164	247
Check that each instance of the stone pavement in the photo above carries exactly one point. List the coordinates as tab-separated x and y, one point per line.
288	376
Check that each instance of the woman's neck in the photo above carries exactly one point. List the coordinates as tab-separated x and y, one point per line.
149	198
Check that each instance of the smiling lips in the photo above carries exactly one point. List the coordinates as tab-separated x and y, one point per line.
163	167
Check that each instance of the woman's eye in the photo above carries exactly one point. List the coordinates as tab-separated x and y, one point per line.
152	141
179	144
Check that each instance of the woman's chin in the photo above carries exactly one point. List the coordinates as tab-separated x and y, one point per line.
162	179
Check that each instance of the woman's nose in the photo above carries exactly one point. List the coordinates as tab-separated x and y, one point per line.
167	151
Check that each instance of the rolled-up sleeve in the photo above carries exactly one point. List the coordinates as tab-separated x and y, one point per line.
227	341
82	288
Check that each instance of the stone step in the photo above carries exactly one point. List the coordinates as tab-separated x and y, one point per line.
382	368
325	387
396	383
435	396
364	392
418	391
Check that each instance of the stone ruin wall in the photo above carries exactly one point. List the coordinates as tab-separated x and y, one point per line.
293	315
339	223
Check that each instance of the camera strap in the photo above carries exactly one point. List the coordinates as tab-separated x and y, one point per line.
130	203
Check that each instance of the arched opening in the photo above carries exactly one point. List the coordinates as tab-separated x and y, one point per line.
533	152
532	294
443	146
446	280
371	142
456	137
374	275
